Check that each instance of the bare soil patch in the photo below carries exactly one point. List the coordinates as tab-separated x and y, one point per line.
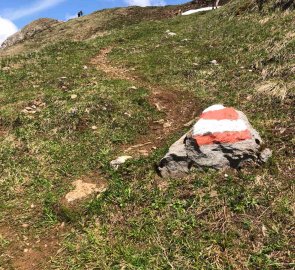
31	252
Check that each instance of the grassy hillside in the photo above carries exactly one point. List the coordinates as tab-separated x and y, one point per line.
209	220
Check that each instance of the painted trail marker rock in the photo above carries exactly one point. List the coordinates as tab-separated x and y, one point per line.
221	138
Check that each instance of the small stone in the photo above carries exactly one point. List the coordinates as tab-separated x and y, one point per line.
264	230
94	127
74	96
225	175
119	161
161	121
171	34
73	111
265	154
26	250
144	152
214	62
85	67
32	205
167	125
25	225
249	97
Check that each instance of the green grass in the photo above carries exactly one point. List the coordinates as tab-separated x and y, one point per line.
205	221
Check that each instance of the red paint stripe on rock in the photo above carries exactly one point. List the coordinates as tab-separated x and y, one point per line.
223	137
226	113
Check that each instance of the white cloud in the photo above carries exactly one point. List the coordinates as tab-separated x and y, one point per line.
70	16
7	28
144	3
37	6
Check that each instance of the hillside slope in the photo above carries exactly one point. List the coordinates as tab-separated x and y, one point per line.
70	107
43	32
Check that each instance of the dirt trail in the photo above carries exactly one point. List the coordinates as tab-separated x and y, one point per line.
178	107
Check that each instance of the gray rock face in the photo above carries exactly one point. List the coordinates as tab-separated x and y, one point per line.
29	31
215	144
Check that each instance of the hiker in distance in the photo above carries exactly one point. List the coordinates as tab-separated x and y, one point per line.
80	13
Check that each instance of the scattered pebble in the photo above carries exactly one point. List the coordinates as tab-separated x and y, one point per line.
264	230
119	161
214	62
85	67
35	107
249	97
225	175
144	152
169	33
161	121
73	110
26	250
167	124
74	96
94	127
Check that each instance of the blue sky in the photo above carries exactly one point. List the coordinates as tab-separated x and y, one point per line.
15	14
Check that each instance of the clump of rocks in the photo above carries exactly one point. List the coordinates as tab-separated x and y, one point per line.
34	107
29	31
221	138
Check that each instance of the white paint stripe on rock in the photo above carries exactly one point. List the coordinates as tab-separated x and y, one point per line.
204	126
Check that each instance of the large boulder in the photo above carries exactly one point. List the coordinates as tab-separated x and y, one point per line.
221	138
